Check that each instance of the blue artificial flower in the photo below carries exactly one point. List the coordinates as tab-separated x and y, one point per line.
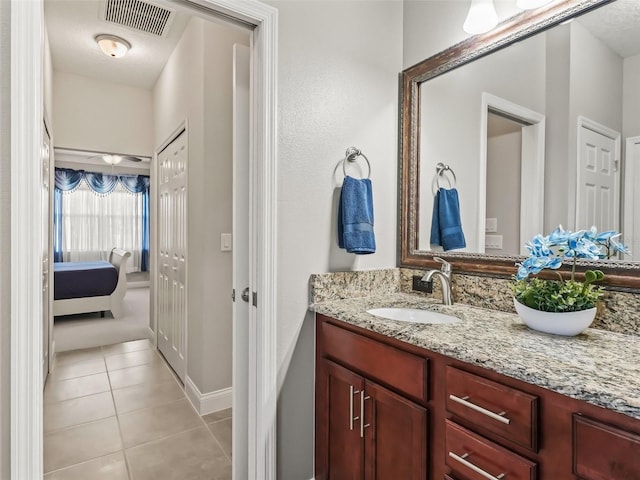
550	251
558	236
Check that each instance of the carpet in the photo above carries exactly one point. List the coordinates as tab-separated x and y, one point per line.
73	332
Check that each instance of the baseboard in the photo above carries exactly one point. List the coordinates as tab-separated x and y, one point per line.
140	284
210	402
152	337
53	353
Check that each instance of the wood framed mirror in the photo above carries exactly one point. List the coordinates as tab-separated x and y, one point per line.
417	160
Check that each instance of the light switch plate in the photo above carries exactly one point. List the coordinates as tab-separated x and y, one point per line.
493	241
491	225
225	242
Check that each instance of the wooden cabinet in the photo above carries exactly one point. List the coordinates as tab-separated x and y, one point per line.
473	457
345	454
601	451
363	429
493	407
396	438
373	394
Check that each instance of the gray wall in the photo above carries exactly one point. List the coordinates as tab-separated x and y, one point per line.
5	238
196	84
430	26
504	154
579	74
450	124
557	128
338	71
631	95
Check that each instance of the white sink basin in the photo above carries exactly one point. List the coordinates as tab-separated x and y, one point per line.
414	315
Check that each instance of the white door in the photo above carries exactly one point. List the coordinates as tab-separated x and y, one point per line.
631	228
46	192
241	276
598	192
172	252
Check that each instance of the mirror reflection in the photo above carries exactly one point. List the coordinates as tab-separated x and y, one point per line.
544	132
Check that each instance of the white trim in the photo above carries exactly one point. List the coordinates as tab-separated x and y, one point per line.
210	402
140	284
153	338
27	224
630	225
26	337
531	172
584	122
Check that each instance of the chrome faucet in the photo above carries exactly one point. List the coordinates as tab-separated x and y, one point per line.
445	279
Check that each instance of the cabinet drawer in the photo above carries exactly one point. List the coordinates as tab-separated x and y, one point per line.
472	457
602	452
495	408
400	370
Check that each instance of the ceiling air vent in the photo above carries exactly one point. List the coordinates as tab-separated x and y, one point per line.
139	15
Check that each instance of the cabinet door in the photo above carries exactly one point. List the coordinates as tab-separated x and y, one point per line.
396	436
341	449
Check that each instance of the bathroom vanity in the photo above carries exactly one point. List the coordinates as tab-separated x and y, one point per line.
485	398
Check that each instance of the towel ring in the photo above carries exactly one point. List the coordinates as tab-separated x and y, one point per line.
441	168
352	155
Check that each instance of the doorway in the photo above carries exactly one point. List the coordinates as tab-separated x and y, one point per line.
26	405
632	197
512	145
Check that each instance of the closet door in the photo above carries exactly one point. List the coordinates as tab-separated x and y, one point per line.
172	253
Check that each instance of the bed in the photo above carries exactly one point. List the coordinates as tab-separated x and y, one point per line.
83	287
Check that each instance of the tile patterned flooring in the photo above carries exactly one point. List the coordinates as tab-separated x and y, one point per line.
118	413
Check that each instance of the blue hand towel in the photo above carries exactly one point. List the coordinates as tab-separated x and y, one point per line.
446	227
355	216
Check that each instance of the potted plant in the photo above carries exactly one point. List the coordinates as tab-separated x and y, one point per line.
564	306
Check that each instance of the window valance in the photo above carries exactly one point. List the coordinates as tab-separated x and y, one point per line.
101	183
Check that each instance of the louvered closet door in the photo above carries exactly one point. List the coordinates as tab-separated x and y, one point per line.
172	256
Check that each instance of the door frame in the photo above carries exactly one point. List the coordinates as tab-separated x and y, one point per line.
27	222
531	166
631	170
584	122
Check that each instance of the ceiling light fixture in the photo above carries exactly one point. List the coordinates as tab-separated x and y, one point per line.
531	4
481	18
112	159
113	46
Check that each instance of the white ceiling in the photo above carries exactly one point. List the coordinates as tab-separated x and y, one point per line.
617	25
72	27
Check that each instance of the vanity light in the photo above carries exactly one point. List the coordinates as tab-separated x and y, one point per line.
113	46
531	4
481	18
112	159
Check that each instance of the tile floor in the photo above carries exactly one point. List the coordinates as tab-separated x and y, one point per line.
118	413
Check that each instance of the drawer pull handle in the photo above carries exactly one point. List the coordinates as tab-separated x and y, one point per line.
496	416
362	424
475	468
352	392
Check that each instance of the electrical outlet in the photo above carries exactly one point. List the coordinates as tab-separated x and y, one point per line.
491	225
493	242
421	286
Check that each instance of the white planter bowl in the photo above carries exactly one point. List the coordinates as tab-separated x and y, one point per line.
558	323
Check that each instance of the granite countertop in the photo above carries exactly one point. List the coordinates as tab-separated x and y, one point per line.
597	366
